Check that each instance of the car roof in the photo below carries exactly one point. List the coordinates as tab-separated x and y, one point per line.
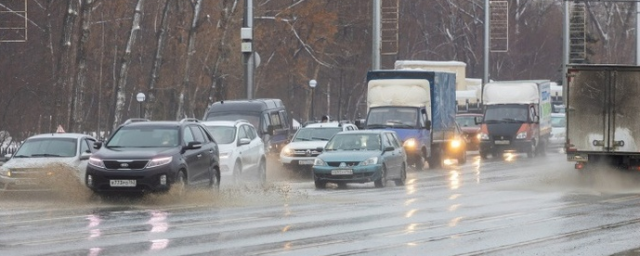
225	123
469	114
320	125
376	131
60	135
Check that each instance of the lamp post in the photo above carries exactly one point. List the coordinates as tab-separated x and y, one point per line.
312	84
140	98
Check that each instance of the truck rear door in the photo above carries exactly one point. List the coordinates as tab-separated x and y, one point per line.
603	108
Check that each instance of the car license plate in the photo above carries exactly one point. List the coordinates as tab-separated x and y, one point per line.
502	142
342	172
122	183
305	162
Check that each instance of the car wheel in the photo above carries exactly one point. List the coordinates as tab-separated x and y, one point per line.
214	178
320	184
484	154
403	176
420	162
532	151
237	171
262	172
180	185
463	157
382	181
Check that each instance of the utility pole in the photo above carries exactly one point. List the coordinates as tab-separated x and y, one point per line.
246	34
565	46
487	45
376	33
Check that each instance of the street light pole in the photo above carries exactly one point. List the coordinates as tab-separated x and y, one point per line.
140	98
312	84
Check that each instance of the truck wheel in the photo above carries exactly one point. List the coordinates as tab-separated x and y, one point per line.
532	151
419	162
463	157
484	154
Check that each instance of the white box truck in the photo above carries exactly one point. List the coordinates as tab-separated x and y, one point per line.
517	117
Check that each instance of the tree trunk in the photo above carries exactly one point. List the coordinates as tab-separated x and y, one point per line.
183	98
77	102
216	77
157	62
61	89
124	65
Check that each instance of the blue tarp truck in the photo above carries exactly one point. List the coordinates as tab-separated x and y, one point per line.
420	107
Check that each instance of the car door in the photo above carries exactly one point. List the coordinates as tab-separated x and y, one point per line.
193	157
243	150
255	147
396	154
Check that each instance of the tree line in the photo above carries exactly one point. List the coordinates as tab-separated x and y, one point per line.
85	60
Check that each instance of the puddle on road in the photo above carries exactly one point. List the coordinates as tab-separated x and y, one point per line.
67	190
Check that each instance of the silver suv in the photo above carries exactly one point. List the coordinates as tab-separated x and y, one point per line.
300	153
242	151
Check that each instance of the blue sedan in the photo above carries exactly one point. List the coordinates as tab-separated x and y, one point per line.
360	157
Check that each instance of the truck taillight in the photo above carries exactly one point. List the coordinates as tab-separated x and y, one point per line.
579	165
570	147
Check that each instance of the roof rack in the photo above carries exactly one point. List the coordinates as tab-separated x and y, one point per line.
190	119
135	120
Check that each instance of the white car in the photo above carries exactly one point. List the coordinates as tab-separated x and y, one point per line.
300	153
242	153
558	130
43	159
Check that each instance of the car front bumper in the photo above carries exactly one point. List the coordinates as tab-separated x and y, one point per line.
515	146
146	180
361	174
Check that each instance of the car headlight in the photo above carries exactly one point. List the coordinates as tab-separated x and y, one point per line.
287	151
159	161
479	136
484	136
319	161
456	143
5	172
97	162
370	161
521	136
223	155
410	143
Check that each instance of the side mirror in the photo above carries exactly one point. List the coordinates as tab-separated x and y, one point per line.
389	149
193	145
427	124
536	119
320	149
478	119
244	141
7	156
84	156
97	144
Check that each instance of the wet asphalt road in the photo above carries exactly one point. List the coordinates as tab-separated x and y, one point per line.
511	206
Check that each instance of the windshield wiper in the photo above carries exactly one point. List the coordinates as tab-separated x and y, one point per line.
46	155
319	138
21	156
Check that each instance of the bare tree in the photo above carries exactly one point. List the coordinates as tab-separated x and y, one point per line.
124	65
77	101
157	62
183	110
64	77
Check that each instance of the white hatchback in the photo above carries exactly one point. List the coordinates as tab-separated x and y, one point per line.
242	153
558	130
300	153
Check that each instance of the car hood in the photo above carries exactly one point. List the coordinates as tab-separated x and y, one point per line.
350	156
307	144
404	134
224	148
38	162
134	153
469	129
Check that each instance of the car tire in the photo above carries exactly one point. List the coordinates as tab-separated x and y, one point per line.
320	184
403	176
484	154
214	178
180	185
342	185
237	171
463	157
382	181
532	151
420	161
262	172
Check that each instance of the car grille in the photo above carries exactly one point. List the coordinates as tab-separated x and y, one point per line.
139	164
347	164
499	137
306	152
27	173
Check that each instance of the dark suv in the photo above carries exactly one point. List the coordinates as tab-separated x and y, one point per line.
153	156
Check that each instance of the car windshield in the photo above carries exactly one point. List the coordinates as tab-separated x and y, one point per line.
144	137
252	117
392	117
354	142
558	121
506	113
223	134
467	121
48	147
308	134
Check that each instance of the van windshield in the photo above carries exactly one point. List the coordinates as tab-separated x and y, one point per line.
252	117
